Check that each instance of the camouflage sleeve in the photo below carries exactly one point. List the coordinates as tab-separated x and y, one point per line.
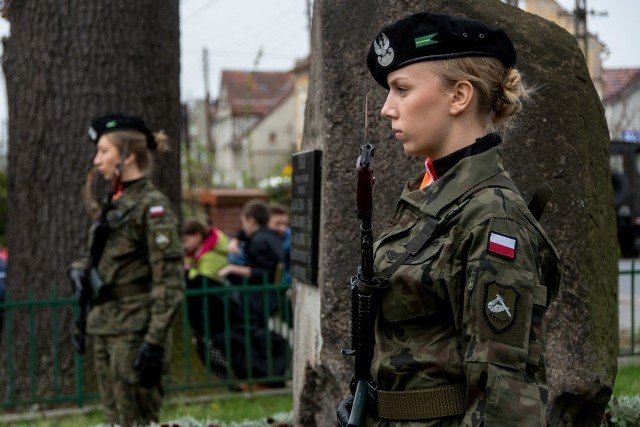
504	303
165	259
80	263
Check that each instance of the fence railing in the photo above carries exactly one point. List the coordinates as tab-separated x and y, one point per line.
229	336
221	333
628	304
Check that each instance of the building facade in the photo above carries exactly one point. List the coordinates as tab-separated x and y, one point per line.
254	130
621	102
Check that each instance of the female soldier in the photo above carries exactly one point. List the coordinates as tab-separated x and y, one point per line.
135	270
459	339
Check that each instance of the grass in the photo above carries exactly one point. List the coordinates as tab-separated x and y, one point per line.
627	381
224	409
239	407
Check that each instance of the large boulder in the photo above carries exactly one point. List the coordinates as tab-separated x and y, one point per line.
562	139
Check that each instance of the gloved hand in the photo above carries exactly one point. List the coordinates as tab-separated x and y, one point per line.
149	363
77	277
344	410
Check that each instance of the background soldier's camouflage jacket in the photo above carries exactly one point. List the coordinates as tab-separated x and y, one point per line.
143	247
468	308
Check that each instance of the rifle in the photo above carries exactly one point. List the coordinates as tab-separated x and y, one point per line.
366	290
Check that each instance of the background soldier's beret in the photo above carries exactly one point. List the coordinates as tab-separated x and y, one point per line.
430	36
119	121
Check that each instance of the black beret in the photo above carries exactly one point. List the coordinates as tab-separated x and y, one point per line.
119	121
431	36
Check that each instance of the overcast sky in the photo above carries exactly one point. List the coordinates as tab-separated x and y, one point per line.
235	31
617	30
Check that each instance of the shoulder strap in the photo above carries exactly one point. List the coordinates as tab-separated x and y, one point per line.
537	203
413	246
539	200
499	180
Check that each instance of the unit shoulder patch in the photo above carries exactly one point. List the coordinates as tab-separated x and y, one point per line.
500	306
162	239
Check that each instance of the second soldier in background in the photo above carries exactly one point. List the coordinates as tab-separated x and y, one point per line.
134	273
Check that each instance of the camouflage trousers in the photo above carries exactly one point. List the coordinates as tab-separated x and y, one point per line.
125	402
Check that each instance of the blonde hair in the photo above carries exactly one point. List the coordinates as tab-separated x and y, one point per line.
138	145
501	91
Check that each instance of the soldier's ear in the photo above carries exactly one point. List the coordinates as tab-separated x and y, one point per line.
131	158
461	97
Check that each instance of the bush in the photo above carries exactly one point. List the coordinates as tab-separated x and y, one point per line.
284	419
623	411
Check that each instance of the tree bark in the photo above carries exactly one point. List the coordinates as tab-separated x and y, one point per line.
66	63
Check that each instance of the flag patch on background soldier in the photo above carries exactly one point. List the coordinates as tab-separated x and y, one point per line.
156	211
501	245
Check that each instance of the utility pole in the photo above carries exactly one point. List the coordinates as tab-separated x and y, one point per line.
250	88
580	14
210	146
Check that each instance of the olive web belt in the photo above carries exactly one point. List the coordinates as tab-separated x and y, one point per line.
436	402
122	291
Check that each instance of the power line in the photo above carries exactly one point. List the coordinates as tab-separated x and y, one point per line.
198	11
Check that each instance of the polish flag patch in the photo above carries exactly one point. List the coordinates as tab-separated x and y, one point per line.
156	211
501	245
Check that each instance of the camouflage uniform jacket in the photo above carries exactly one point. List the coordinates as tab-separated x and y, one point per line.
143	247
462	311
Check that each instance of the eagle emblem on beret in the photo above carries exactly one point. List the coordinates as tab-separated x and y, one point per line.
382	47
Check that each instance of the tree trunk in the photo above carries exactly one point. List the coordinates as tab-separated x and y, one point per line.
66	63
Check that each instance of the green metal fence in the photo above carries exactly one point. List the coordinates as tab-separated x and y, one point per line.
70	379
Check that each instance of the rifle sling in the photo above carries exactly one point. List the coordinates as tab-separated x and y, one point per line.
435	402
102	232
99	242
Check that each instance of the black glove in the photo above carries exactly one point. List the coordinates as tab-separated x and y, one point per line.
344	410
78	278
149	363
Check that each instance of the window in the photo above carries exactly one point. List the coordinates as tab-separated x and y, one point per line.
616	162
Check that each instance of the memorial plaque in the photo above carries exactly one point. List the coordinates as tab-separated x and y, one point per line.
305	215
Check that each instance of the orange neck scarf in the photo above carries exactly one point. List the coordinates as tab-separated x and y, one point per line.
430	175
